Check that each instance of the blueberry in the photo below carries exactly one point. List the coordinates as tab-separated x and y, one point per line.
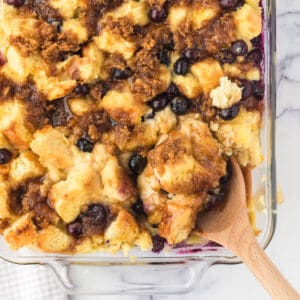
97	212
16	3
229	113
193	54
247	87
75	229
164	56
181	66
239	48
225	57
5	156
172	91
2	60
137	163
180	105
158	243
94	220
255	56
85	145
118	74
82	89
157	15
159	102
138	208
256	42
228	4
258	89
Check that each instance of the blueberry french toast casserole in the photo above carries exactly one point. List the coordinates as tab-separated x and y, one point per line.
118	118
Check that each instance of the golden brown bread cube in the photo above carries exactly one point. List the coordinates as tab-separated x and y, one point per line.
53	240
201	12
208	72
53	149
176	16
135	11
13	124
248	22
123	230
25	166
22	232
124	106
6	215
180	216
188	85
113	43
241	137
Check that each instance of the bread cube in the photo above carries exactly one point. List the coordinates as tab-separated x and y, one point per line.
248	22
208	72
21	233
16	68
53	87
53	239
53	148
201	13
123	230
76	28
240	137
67	9
188	85
124	106
82	186
239	71
135	11
227	94
25	166
176	16
13	124
5	211
113	43
116	183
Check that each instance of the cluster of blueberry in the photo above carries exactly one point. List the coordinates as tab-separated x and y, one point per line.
179	104
93	221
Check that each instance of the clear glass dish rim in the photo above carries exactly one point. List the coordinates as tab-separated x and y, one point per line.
270	100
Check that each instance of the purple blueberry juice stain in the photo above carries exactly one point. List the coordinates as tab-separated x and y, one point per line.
210	246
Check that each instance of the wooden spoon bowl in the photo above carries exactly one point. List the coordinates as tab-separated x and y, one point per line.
230	227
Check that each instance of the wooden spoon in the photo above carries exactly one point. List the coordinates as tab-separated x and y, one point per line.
230	227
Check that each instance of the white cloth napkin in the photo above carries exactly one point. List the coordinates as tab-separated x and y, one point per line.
19	282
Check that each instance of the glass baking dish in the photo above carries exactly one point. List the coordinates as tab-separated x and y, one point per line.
177	270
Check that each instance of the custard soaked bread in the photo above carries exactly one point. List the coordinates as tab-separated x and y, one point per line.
118	118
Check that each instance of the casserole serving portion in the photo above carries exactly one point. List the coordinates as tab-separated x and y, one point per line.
118	118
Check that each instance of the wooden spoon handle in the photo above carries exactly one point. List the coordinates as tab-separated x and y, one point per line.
263	268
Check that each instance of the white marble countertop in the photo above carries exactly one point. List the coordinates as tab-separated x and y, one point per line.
236	282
